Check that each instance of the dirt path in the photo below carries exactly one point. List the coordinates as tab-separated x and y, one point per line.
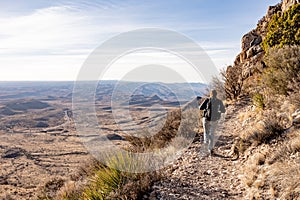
196	176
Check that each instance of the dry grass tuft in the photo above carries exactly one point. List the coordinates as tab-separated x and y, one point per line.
159	140
273	172
136	187
181	124
263	132
71	190
284	177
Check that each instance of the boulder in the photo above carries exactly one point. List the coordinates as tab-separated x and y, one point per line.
273	10
253	51
258	58
249	39
246	70
256	41
257	49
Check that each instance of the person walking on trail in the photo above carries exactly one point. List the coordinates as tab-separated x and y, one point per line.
213	108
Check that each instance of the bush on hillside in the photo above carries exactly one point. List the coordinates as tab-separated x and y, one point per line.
284	29
282	74
107	182
162	138
264	131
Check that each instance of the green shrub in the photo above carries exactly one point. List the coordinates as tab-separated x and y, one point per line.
284	29
282	74
109	181
258	100
104	181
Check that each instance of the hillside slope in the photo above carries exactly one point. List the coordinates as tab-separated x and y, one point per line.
262	124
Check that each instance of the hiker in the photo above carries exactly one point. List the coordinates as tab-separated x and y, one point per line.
213	108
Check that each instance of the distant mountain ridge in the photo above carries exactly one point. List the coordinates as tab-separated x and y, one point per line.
53	90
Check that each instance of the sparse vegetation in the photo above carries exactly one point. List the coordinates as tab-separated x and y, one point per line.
104	182
264	131
109	182
172	128
270	145
162	138
273	173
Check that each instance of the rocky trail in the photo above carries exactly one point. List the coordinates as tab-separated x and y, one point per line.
195	175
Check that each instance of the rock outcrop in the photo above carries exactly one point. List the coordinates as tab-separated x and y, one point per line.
250	60
251	42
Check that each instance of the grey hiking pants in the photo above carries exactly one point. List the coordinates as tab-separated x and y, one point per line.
209	128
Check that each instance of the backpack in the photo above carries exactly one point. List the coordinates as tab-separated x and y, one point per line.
213	110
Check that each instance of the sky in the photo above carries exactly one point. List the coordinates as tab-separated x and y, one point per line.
49	40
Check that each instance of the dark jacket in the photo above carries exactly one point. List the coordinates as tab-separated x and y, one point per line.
213	107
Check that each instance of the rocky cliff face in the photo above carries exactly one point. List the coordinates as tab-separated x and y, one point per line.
251	56
250	59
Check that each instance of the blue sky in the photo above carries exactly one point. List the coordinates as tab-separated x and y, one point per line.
49	40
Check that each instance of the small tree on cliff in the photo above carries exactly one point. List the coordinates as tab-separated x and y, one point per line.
234	82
